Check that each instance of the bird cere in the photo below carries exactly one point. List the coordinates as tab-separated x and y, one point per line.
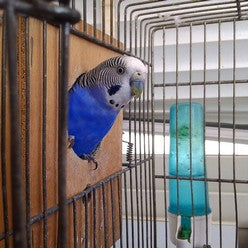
96	98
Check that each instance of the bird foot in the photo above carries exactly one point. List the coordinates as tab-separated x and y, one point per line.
71	140
90	158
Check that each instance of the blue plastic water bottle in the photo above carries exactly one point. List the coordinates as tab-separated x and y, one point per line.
180	191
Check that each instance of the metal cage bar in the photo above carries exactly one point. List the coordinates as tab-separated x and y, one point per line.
234	126
3	135
44	129
16	179
164	159
153	146
219	106
62	134
204	116
27	138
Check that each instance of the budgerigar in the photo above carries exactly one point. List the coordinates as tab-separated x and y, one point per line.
97	97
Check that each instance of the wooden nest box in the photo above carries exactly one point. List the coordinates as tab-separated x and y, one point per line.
38	94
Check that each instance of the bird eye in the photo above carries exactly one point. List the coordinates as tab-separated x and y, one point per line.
120	70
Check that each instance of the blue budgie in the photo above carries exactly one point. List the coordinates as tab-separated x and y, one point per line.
97	97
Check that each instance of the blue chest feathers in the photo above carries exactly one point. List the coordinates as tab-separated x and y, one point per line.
89	118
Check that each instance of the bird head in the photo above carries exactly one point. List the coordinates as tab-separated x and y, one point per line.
121	79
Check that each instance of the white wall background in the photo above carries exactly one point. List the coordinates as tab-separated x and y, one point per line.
225	65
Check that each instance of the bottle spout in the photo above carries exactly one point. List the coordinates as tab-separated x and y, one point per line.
197	236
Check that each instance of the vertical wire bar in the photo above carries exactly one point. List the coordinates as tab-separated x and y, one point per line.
15	143
125	30
118	22
131	205
145	167
136	35
177	169
86	217
238	8
130	34
190	131
104	216
103	21
141	177
113	212
111	21
85	15
94	18
149	143
136	174
73	4
94	217
3	135
27	134
130	174
130	129
120	209
164	159
140	41
44	129
62	134
150	201
126	210
204	121
74	222
145	42
234	135
219	165
153	146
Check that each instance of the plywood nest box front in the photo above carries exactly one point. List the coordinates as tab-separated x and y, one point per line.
84	55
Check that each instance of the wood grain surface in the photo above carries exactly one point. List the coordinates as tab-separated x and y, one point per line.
84	55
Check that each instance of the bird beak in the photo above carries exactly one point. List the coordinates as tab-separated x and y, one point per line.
137	88
137	84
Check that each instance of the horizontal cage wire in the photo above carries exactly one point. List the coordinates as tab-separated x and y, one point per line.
148	175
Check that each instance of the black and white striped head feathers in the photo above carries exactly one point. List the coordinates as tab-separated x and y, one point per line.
121	78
